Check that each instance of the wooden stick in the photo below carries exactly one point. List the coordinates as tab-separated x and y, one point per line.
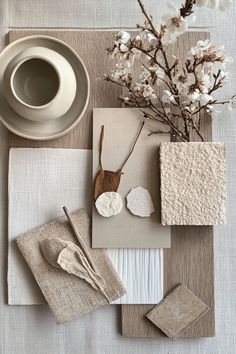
133	146
80	240
100	146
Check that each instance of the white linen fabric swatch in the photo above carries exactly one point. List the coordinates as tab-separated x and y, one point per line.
41	182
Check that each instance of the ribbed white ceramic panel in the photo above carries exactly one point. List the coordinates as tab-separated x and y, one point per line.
142	273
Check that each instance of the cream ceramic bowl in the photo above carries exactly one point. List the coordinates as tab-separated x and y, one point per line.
53	128
39	84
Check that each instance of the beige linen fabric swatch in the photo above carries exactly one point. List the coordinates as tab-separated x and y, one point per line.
67	295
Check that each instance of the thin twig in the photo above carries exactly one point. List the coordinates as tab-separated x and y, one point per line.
132	149
148	18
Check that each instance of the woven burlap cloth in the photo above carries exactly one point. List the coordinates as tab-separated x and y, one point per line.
67	295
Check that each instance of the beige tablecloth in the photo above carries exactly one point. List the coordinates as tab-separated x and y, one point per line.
31	329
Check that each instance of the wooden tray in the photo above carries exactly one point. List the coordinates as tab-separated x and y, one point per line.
191	257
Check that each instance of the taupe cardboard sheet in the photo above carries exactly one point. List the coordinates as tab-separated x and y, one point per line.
142	169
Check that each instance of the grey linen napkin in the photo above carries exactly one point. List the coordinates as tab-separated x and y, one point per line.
67	295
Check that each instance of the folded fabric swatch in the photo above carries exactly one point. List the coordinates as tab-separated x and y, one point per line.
177	311
67	295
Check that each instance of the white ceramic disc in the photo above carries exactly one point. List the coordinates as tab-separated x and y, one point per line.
109	204
139	202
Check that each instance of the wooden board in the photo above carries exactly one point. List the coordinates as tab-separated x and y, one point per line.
191	258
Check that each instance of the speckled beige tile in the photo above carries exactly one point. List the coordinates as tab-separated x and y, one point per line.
177	311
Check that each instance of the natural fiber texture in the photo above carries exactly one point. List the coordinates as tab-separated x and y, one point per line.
106	181
109	181
67	295
177	311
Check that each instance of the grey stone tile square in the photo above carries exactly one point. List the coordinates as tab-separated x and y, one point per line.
193	183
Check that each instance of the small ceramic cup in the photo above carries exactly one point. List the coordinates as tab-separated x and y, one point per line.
40	84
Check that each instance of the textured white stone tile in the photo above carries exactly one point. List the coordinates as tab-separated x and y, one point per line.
193	183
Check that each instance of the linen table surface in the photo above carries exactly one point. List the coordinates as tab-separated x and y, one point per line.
31	329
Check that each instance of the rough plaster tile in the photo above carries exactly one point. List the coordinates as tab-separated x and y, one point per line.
193	183
177	311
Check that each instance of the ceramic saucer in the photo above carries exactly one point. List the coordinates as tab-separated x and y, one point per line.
51	129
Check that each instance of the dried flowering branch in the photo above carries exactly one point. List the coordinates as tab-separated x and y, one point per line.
170	91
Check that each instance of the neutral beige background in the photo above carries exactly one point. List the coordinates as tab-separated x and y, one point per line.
31	330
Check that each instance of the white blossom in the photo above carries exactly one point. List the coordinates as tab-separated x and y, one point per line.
205	98
199	92
204	82
183	81
144	90
120	73
210	55
221	53
121	46
151	39
125	99
168	97
175	25
232	103
198	96
153	74
188	84
214	4
200	48
123	37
